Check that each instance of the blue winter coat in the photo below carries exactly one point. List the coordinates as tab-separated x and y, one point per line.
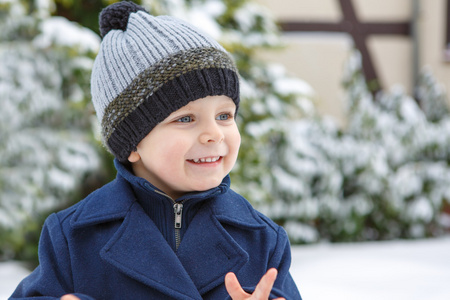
107	247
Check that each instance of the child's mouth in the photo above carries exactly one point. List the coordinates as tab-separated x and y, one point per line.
206	159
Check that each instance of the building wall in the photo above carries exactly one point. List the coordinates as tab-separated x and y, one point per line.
432	39
319	58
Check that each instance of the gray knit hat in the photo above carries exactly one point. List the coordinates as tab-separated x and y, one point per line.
149	67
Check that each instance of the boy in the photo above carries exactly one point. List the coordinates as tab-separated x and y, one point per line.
169	226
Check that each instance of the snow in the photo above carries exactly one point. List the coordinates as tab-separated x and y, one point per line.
11	273
397	270
376	270
66	33
284	85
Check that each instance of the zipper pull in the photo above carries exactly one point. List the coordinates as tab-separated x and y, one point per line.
178	209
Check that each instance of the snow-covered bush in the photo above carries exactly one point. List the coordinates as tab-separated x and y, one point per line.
385	176
45	126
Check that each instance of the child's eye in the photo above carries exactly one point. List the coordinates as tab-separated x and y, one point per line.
224	117
185	119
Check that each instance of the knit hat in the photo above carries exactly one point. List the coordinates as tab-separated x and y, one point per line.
148	67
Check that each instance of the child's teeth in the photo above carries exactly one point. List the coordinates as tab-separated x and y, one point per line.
209	159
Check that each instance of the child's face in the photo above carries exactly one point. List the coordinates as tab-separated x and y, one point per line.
191	150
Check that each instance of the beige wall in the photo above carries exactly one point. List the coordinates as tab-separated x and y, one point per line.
432	39
319	58
303	9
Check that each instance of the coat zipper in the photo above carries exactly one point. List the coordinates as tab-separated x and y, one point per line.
178	218
178	211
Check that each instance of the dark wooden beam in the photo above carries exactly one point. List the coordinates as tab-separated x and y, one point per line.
397	28
359	31
287	26
359	37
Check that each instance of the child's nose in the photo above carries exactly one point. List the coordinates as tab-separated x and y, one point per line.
211	133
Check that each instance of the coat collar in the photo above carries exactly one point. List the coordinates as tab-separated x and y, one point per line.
112	202
109	203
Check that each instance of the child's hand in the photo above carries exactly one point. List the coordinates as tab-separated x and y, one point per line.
261	292
69	297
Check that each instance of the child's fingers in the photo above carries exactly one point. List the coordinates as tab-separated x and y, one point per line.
265	285
234	288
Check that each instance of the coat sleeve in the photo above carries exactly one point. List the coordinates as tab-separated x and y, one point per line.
284	285
52	278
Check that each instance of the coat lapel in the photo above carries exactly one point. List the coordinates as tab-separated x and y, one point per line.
208	252
139	250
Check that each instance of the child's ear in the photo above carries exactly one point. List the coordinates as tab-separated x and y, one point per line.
134	157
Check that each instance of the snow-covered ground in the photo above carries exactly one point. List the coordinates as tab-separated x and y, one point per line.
397	270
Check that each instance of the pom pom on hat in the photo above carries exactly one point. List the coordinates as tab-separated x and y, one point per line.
149	67
116	16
